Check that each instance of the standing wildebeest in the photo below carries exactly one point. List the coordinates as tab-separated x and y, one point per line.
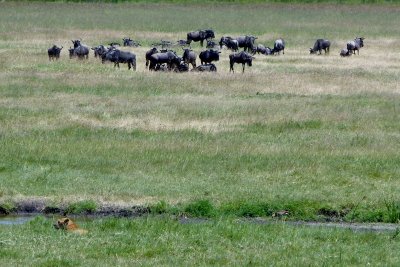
206	68
71	52
149	53
80	50
169	57
54	52
229	42
242	57
200	35
247	42
355	45
189	57
129	42
320	44
118	56
209	56
99	50
279	46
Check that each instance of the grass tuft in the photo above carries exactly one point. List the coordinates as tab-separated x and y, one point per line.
200	208
84	206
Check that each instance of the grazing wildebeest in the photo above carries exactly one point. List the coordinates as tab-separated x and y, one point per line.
169	57
129	42
206	68
229	42
181	43
356	44
182	67
242	57
261	49
189	57
54	52
149	53
80	50
279	46
209	56
345	53
200	35
320	44
99	50
117	56
247	42
211	44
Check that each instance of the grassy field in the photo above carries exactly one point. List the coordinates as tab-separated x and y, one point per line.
165	242
315	135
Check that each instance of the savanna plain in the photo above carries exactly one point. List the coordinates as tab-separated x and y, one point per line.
315	135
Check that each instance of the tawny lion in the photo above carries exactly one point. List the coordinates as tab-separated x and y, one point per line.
70	226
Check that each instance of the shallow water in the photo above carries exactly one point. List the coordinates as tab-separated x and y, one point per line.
368	227
15	219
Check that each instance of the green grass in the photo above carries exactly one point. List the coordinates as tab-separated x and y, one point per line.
294	130
164	241
314	135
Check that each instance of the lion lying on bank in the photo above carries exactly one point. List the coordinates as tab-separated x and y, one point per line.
70	226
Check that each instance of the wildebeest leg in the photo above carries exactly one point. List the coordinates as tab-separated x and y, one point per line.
243	65
231	68
201	42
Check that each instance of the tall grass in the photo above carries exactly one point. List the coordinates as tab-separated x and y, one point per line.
162	241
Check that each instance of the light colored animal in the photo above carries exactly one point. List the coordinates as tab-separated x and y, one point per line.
356	44
68	225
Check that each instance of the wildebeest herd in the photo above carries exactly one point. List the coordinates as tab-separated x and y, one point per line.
162	58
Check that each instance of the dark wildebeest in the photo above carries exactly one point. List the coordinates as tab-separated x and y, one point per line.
54	52
320	44
71	52
99	50
80	50
149	53
242	57
209	56
181	43
247	42
129	42
169	57
345	53
200	35
230	43
356	44
279	46
189	57
211	44
206	68
182	67
117	56
261	49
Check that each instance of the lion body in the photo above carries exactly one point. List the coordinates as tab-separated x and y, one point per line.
70	226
